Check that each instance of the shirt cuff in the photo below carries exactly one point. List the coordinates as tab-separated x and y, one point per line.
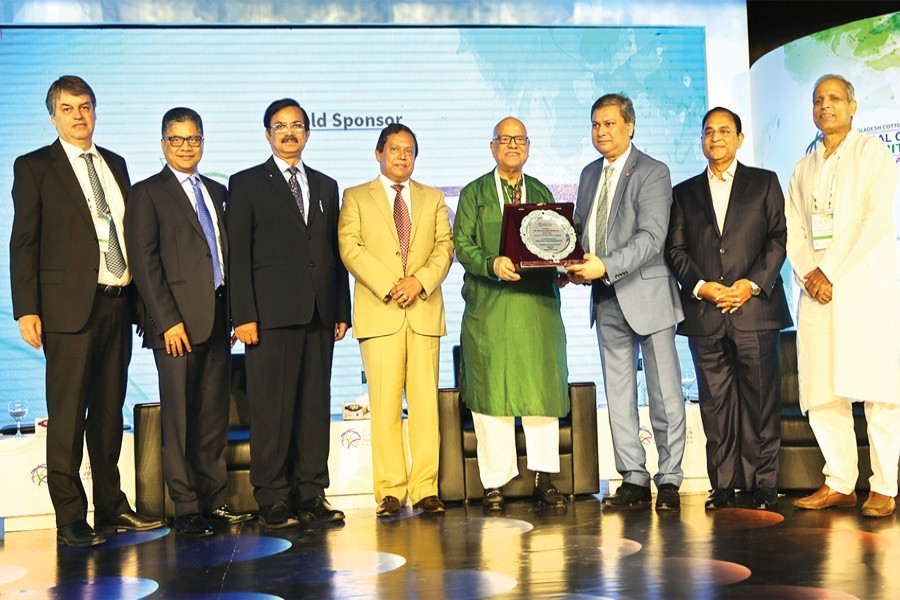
696	292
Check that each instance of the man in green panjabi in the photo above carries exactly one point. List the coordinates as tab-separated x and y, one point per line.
513	339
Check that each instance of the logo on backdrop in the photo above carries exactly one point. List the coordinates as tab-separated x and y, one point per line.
645	435
39	474
351	438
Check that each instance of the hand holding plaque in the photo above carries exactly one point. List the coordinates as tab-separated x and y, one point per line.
540	235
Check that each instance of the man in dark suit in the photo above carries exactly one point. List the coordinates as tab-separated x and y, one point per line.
726	246
72	296
290	301
179	249
622	213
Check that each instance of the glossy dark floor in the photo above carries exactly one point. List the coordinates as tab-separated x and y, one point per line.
580	552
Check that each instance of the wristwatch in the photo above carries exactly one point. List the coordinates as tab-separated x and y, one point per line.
754	289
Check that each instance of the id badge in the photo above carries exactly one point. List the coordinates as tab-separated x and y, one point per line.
103	240
822	229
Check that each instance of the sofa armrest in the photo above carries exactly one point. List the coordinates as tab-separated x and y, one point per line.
148	461
451	474
585	459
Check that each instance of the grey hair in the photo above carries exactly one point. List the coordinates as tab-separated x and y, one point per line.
848	87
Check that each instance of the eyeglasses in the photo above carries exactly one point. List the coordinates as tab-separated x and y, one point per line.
296	127
503	140
721	132
176	141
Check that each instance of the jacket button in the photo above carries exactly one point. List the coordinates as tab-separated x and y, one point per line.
721	250
312	265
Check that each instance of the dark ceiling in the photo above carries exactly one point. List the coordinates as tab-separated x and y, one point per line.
771	23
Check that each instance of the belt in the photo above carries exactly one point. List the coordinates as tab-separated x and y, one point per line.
111	291
220	291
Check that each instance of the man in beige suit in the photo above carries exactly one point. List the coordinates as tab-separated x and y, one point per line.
394	237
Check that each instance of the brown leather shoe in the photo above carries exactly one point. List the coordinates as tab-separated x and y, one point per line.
878	505
388	507
430	504
825	497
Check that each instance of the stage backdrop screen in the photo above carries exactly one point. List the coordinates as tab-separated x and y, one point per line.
450	85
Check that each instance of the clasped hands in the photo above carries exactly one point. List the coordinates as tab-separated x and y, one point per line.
818	286
405	291
727	299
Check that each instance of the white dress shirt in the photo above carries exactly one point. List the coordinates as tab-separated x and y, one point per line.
617	166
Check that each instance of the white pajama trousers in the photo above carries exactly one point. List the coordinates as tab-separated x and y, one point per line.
497	462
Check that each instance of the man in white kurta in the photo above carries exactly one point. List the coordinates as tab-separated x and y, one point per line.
842	248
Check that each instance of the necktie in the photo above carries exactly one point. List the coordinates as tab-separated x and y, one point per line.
115	260
401	220
209	232
296	191
602	211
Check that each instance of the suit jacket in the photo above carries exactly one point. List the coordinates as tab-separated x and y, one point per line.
282	269
54	254
170	259
751	245
636	233
370	248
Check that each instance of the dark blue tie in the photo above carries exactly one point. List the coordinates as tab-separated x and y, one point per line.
209	231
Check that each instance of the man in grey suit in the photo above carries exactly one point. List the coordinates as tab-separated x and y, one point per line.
726	246
622	215
179	249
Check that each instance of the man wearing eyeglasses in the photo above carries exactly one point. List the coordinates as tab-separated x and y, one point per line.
72	295
509	370
726	246
290	302
179	249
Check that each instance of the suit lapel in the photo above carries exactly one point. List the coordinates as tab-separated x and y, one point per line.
277	180
179	198
120	177
417	202
738	186
314	196
380	200
66	174
704	197
624	176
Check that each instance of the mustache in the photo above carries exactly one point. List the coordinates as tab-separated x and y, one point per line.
289	138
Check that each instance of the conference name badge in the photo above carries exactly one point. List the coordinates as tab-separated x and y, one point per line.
822	229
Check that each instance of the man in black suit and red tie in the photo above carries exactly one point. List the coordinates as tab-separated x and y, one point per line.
290	302
726	246
179	249
72	295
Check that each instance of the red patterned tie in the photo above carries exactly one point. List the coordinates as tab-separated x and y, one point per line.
401	220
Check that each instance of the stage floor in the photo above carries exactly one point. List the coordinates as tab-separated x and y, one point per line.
580	552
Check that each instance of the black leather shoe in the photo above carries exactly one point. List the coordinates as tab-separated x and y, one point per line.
192	524
127	521
318	509
719	498
277	516
78	535
493	499
223	514
764	498
667	497
628	495
430	504
545	493
388	507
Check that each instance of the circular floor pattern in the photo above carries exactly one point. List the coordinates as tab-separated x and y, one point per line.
549	546
234	596
103	588
786	592
703	572
11	572
220	549
803	539
736	519
336	568
498	527
451	584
